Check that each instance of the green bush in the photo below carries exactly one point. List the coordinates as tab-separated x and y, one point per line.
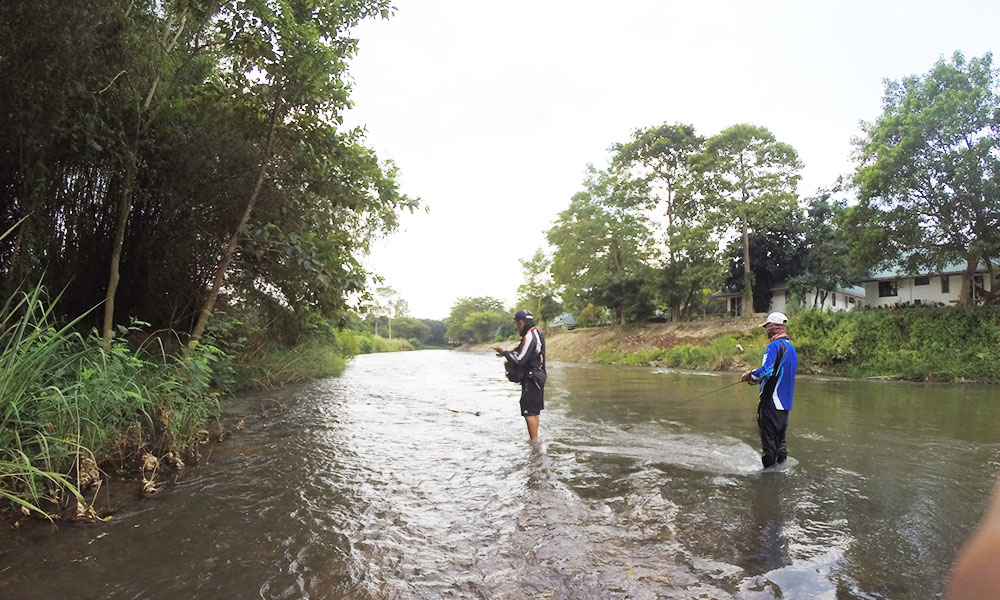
959	343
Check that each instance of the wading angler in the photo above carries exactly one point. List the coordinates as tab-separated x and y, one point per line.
526	365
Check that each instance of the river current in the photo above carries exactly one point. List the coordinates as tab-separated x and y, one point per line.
411	476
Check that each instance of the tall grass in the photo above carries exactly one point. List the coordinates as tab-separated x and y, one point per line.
312	358
65	398
38	423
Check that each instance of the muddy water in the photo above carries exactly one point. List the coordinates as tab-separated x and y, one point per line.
411	477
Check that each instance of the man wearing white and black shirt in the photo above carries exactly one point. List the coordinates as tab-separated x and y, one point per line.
528	360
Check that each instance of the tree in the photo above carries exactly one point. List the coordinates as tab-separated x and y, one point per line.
777	254
154	75
458	327
693	269
409	328
389	304
602	242
746	178
290	64
539	289
151	135
482	325
928	175
661	157
826	245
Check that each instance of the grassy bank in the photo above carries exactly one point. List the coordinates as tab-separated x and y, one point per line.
71	408
313	358
959	344
68	404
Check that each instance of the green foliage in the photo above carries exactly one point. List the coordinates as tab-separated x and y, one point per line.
602	245
482	327
926	343
64	397
590	316
538	292
776	254
662	158
927	179
160	113
745	178
719	354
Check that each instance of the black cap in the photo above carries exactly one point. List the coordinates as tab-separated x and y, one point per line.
522	315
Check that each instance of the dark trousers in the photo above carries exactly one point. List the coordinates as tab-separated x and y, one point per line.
772	424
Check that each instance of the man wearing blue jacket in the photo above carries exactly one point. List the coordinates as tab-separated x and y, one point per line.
776	377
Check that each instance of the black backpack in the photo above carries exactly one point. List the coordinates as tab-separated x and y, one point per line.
513	372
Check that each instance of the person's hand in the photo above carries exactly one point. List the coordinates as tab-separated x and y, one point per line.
498	350
748	377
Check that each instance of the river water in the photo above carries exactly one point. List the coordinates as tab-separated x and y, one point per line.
411	476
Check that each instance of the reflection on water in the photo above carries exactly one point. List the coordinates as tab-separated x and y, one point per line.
412	477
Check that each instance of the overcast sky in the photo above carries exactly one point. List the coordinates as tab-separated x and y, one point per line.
492	111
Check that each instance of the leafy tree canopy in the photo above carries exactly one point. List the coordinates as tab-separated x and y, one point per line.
460	329
747	179
928	176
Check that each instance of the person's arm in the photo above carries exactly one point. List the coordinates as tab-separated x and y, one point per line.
975	574
766	368
523	353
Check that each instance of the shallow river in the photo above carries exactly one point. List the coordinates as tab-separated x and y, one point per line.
411	476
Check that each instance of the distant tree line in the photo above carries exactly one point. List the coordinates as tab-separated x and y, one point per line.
674	215
171	160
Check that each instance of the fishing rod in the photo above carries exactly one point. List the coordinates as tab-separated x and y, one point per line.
713	391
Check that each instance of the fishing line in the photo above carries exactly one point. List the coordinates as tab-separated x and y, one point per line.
712	391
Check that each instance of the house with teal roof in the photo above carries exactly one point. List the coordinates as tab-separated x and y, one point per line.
895	286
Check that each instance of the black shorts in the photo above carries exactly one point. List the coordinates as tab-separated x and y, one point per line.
532	398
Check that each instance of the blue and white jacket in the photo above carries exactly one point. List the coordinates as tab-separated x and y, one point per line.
777	374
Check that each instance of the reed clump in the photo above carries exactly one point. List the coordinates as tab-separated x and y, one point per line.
69	403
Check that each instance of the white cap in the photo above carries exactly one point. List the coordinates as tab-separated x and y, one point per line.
777	318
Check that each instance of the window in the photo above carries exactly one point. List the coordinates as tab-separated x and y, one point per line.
925	280
945	284
886	289
850	300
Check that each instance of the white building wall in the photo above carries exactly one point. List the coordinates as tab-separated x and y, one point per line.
779	302
907	292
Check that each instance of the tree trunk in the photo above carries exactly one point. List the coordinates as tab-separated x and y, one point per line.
124	209
128	185
747	277
234	240
965	295
670	223
991	295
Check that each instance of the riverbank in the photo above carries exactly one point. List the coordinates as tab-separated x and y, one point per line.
76	414
957	344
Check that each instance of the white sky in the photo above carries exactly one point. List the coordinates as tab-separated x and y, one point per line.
493	110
